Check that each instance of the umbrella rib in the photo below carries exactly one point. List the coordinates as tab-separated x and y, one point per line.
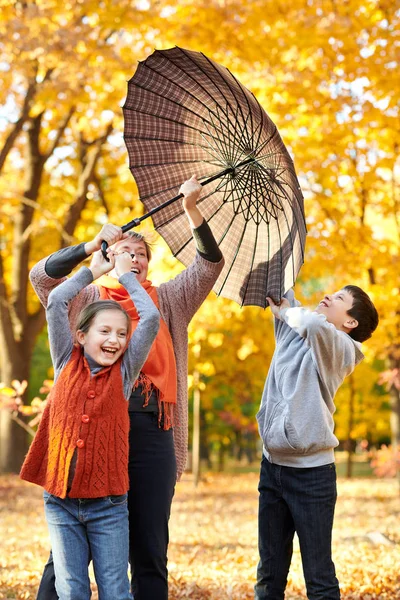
175	162
268	255
243	90
163	118
231	138
290	238
236	253
297	226
267	180
295	194
226	138
241	138
217	139
267	141
183	106
181	142
268	193
211	148
237	183
208	77
282	190
262	183
180	87
174	187
226	81
251	267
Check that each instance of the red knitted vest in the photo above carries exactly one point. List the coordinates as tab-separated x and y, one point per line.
88	414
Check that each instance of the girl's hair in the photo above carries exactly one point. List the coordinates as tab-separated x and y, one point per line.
87	314
140	237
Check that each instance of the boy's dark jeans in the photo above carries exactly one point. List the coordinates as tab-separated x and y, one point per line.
302	501
152	477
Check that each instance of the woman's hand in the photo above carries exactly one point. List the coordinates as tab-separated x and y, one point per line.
99	265
109	233
123	263
191	191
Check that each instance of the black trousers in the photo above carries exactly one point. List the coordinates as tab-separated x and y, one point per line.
152	476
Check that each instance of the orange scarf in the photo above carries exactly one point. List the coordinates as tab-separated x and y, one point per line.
159	371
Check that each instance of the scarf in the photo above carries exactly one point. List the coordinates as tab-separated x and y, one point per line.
159	371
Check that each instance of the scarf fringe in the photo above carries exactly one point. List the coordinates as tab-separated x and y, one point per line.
166	410
166	415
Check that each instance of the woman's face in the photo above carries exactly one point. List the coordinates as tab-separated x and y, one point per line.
137	250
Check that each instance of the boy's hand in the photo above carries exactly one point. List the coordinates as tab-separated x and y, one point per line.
123	263
109	233
276	308
99	266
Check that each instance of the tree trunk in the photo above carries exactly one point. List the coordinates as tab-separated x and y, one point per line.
18	329
350	424
14	441
394	395
221	458
196	429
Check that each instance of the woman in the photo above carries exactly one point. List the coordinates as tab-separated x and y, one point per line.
80	452
157	451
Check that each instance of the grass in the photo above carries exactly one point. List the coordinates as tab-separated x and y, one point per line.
213	551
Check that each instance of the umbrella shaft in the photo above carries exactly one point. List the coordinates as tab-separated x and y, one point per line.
136	222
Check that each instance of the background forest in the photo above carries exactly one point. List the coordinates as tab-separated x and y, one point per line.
326	72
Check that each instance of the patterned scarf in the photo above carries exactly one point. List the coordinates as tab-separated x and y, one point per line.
159	371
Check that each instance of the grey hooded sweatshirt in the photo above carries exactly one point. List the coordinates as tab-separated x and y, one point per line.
310	362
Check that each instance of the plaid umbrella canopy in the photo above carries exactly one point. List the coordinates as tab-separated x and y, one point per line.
187	115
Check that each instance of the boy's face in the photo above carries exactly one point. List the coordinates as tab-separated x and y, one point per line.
335	307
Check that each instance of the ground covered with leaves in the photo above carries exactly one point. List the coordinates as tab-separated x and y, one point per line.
213	551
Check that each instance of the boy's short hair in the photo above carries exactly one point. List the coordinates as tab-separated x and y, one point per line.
364	312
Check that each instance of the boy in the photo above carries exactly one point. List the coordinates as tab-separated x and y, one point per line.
314	352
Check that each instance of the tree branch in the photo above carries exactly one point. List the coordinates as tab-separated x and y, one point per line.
60	133
89	161
7	333
18	125
99	188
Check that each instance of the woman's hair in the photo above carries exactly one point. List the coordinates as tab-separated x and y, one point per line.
140	237
87	314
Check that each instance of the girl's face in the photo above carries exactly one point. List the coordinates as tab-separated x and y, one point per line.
106	337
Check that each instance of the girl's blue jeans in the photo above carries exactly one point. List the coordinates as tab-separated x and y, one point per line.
83	528
302	501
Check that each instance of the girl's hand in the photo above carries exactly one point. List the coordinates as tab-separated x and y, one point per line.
109	233
99	265
123	263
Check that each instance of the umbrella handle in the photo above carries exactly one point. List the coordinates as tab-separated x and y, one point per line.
124	228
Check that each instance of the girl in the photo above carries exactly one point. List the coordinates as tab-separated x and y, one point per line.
80	452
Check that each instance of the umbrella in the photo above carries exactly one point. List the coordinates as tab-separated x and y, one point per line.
187	115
